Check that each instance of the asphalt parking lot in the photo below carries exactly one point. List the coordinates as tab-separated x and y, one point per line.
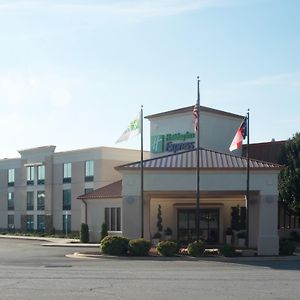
31	271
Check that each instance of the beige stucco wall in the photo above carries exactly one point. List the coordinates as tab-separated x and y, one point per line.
264	183
216	130
105	159
96	217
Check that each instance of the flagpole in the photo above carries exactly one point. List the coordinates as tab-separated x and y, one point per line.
198	163
248	181
142	173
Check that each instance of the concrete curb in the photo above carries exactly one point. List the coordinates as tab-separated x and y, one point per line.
187	258
74	245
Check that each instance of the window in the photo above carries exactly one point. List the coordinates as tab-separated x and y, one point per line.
41	174
67	223
113	218
67	172
11	222
66	199
30	175
29	222
41	223
30	200
11	177
89	170
10	201
41	200
89	190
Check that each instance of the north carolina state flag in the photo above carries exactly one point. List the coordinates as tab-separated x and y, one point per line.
240	135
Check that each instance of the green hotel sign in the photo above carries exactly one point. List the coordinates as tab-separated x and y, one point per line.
172	142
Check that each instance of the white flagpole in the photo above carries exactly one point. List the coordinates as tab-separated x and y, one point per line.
198	163
142	173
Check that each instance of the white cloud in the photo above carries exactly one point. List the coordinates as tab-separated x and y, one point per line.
20	90
119	8
292	79
143	9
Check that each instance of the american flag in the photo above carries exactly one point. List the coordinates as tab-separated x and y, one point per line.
195	113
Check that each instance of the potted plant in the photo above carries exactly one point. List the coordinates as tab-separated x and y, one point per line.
156	238
229	233
241	236
168	233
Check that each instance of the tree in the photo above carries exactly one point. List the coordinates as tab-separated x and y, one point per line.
289	179
159	219
84	233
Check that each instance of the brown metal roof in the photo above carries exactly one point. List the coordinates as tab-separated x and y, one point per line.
190	109
210	160
113	190
269	151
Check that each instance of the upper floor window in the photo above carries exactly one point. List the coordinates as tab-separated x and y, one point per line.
40	200
30	175
30	200
67	172
41	174
10	201
88	190
66	199
89	170
11	177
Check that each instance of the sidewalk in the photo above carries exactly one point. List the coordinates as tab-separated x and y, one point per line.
51	242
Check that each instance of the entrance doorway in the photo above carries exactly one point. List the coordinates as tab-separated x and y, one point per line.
209	225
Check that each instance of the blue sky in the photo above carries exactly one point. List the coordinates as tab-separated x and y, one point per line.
74	73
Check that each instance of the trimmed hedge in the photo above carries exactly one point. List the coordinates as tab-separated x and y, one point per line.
286	247
84	233
196	248
167	248
104	231
114	245
227	250
139	247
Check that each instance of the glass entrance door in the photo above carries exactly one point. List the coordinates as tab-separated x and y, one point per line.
209	225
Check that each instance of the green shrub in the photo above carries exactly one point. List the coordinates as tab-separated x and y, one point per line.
286	247
139	247
295	236
196	248
114	245
84	233
104	231
227	250
157	235
167	248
